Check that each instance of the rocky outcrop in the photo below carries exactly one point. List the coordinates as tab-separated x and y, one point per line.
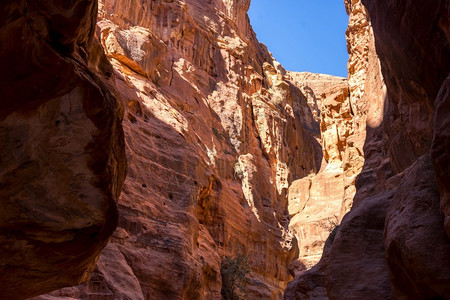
216	131
316	201
440	149
393	243
319	201
62	159
228	154
417	214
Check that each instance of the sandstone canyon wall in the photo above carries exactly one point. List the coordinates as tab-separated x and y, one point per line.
216	131
394	242
316	201
62	153
227	154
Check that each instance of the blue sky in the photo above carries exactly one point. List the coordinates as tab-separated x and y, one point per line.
303	35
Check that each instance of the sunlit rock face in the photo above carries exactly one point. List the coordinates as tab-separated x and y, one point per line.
216	131
316	201
227	153
62	152
394	242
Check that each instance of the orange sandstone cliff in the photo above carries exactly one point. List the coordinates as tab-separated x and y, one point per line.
216	131
339	182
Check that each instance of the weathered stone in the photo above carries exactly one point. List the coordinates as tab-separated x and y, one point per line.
228	154
417	248
62	159
393	241
215	136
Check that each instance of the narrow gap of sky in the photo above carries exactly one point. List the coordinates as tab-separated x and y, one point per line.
303	35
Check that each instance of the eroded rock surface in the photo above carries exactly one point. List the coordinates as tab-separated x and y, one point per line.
316	201
400	206
216	131
228	153
62	158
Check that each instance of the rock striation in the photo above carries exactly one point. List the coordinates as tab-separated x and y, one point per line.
62	152
216	131
228	154
393	243
316	201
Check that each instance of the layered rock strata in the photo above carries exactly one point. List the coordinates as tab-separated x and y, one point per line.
228	154
393	243
316	201
62	158
216	132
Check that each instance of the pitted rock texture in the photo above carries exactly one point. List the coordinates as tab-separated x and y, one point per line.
316	201
319	201
229	153
216	131
62	158
394	242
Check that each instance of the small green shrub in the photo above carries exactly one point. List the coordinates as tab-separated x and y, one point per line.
233	271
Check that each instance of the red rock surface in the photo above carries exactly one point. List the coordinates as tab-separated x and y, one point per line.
441	149
227	152
216	131
62	159
393	243
316	201
417	91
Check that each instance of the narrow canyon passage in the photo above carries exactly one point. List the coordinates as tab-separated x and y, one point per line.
328	187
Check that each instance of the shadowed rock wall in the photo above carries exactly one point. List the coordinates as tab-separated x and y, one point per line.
393	243
215	133
62	158
228	153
